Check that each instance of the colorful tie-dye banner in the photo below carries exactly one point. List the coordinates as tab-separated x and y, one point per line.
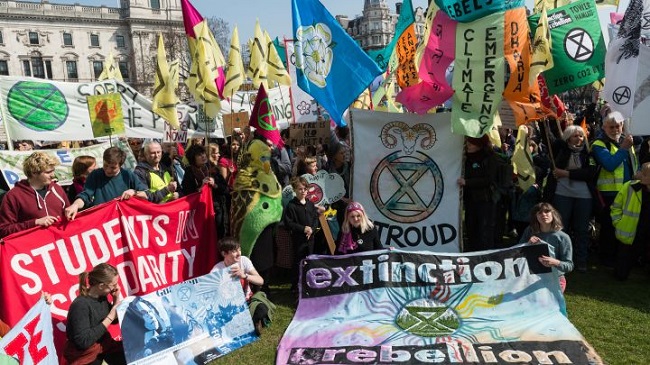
405	172
479	75
491	307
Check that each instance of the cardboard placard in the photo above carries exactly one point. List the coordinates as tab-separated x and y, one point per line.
310	133
234	120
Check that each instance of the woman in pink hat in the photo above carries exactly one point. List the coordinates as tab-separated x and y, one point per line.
358	234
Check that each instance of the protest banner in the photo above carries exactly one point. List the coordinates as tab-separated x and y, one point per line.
30	341
11	162
193	322
405	172
380	307
152	246
309	133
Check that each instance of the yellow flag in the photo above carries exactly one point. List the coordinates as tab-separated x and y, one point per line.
541	57
258	68
548	4
165	83
235	75
363	100
431	13
207	64
110	71
276	70
522	160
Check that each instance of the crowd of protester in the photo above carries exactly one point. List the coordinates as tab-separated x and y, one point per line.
592	185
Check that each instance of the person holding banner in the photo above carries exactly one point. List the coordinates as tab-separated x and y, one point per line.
37	201
546	227
90	316
358	233
160	179
108	183
82	166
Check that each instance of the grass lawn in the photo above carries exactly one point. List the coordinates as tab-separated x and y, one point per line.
613	316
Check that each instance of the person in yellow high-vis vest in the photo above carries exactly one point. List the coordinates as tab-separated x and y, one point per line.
160	179
614	154
632	206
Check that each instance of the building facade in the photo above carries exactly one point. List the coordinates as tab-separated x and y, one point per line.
72	42
375	28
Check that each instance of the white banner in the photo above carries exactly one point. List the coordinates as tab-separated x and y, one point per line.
405	172
11	162
38	109
30	342
640	125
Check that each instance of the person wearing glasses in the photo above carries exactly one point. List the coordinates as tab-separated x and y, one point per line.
37	201
89	317
300	217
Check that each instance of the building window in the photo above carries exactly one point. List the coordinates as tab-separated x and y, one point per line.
48	69
4	68
155	4
124	70
33	38
27	69
120	41
2	40
38	69
71	67
94	40
98	67
67	39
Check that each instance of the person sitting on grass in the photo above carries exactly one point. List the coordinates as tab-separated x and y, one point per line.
241	267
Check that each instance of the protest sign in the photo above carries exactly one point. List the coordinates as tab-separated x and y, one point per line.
193	322
106	115
309	133
30	341
235	120
402	307
152	246
405	173
173	135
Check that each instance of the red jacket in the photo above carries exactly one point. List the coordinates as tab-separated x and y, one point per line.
22	205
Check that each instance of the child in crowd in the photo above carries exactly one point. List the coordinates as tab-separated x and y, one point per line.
546	227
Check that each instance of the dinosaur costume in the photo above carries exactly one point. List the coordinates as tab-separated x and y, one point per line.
256	196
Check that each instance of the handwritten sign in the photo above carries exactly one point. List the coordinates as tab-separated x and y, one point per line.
175	135
308	134
234	120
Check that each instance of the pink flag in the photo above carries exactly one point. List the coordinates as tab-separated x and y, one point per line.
423	96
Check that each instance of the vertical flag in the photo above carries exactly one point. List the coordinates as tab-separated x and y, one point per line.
522	95
465	11
276	71
542	58
622	60
110	71
404	21
257	68
207	76
263	120
479	75
235	75
281	49
165	83
407	71
578	47
522	161
330	65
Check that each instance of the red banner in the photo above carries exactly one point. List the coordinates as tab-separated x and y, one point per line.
152	246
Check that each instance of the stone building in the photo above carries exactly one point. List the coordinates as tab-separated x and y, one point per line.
71	42
375	28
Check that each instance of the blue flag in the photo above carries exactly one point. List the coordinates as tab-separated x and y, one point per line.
330	65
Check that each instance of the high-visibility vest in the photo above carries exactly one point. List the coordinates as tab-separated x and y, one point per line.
612	180
626	210
156	183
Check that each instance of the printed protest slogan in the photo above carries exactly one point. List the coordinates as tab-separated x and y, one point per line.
193	322
30	341
405	173
479	74
493	307
11	162
152	246
578	46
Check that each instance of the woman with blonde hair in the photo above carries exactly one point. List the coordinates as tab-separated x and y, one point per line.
358	233
90	316
37	201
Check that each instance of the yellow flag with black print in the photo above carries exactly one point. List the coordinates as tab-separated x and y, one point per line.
522	160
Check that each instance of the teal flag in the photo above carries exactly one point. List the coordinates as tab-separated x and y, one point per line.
578	46
282	50
479	74
470	10
406	18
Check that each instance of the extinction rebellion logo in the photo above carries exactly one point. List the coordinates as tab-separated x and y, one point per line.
37	105
428	318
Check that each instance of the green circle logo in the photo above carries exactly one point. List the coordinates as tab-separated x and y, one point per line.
428	318
37	105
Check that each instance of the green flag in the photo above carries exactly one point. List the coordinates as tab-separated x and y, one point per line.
578	46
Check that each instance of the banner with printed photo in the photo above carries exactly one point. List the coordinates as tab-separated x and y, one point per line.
30	341
152	246
11	162
405	172
190	323
490	307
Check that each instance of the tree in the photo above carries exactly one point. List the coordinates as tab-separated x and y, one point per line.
221	31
